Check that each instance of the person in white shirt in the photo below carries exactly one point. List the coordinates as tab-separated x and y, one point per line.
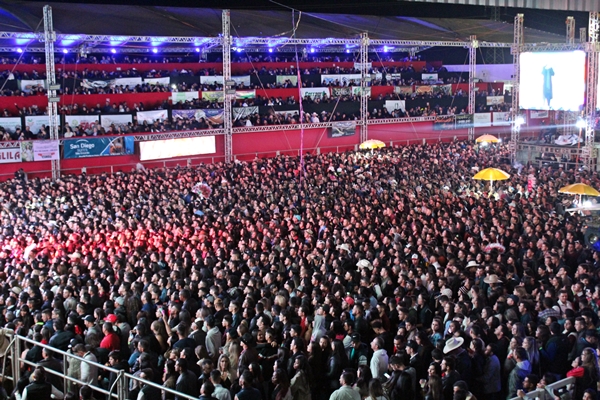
379	361
220	392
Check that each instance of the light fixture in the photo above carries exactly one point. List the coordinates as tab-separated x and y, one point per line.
197	49
312	49
270	50
385	49
155	51
581	124
114	51
519	120
65	51
19	50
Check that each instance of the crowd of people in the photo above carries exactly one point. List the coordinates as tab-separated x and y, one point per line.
358	275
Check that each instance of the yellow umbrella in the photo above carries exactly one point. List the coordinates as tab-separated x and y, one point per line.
491	174
372	144
579	188
487	139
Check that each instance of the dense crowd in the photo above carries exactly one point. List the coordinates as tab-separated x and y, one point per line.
386	275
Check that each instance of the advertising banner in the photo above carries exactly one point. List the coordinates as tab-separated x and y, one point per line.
11	124
463	121
130	81
406	90
151	116
39	150
361	66
177	97
161	149
423	89
215	116
28	86
95	147
482	119
158	81
350	79
242	112
116	119
10	155
429	77
282	79
357	91
443	122
392	105
330	79
342	128
315	93
218	96
501	118
493	100
35	122
97	83
83	121
211	80
442	89
538	114
341	91
245	94
241	80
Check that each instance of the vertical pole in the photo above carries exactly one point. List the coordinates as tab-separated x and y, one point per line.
582	35
570	23
16	363
514	111
227	114
473	45
49	39
587	153
364	98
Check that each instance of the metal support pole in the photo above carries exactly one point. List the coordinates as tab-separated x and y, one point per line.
570	23
227	109
582	35
514	111
587	153
16	372
49	39
473	45
364	96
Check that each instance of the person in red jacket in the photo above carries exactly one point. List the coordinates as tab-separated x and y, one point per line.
111	340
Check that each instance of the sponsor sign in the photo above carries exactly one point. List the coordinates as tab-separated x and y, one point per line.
342	128
151	116
482	119
177	97
538	114
501	118
10	155
493	100
39	150
29	86
217	95
94	147
161	149
406	90
116	119
131	81
84	121
429	77
444	122
35	122
158	81
392	105
315	93
11	124
463	121
281	79
215	116
242	112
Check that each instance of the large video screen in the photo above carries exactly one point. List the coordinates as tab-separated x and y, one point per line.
161	149
552	81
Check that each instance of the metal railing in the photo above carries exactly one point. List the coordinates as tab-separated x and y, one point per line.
118	390
549	392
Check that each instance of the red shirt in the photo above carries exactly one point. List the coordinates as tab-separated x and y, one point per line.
111	342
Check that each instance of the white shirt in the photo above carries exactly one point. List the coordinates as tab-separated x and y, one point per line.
379	364
221	393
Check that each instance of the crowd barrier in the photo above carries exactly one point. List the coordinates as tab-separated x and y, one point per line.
551	392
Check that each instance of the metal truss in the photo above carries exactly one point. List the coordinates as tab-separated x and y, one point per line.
13	144
535	47
364	76
570	23
591	90
291	41
52	109
433	43
178	134
516	50
474	44
113	38
228	98
409	120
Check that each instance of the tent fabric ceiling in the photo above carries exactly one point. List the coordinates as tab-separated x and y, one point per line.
22	16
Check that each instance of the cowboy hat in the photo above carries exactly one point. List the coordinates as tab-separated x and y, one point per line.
343	246
493	278
472	264
365	264
453	343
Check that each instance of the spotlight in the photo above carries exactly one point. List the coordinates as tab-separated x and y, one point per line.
581	124
19	50
270	50
113	51
347	51
520	120
239	49
197	49
155	51
312	50
65	51
385	49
